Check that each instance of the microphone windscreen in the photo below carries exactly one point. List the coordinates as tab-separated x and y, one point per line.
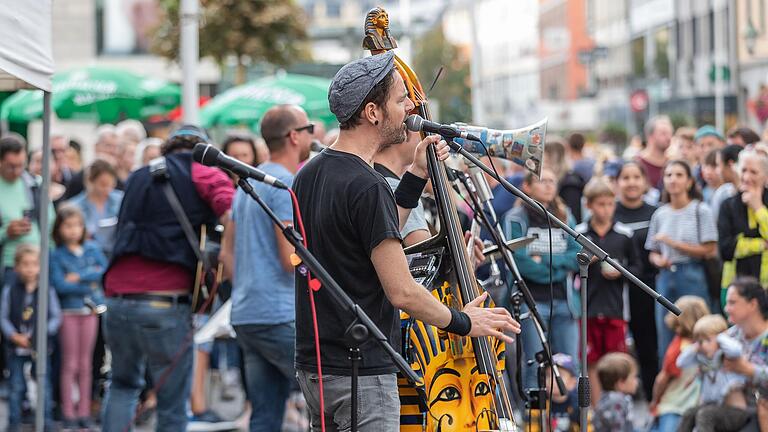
413	123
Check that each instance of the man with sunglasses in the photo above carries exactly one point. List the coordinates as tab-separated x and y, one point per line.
263	283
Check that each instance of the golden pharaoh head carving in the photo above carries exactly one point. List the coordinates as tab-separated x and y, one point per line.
377	35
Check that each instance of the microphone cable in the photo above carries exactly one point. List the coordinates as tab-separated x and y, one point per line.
312	285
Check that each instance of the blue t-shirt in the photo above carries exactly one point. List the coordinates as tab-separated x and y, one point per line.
262	291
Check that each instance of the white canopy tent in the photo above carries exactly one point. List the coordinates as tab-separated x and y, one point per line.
26	61
26	55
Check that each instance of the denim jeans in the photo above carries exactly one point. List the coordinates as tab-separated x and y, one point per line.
268	355
563	337
147	334
673	283
378	409
666	423
18	390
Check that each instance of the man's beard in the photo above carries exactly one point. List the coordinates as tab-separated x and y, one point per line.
304	155
392	134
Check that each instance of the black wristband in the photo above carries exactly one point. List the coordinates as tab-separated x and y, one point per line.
409	190
460	323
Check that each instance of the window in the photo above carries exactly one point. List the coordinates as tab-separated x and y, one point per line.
661	62
711	20
125	26
333	9
638	57
695	36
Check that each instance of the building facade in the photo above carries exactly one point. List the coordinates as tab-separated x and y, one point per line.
505	64
751	22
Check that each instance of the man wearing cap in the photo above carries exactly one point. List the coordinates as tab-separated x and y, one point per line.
353	221
149	280
708	138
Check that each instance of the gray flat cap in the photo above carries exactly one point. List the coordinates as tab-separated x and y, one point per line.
355	80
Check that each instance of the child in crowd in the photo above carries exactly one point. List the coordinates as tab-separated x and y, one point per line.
722	404
617	373
711	175
606	324
537	265
18	319
635	213
565	407
77	267
676	390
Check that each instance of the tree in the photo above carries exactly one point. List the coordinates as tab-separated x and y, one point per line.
453	89
246	30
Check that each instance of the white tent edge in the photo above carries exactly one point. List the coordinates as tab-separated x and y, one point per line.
26	54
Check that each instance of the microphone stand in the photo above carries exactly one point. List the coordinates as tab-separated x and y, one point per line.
589	250
361	328
487	214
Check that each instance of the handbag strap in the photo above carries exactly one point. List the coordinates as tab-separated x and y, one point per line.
186	226
160	174
698	226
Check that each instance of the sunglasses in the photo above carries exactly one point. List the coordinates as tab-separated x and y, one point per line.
309	128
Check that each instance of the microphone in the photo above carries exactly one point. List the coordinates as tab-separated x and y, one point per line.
483	188
209	155
415	123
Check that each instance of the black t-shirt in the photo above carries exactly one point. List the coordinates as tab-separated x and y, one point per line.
348	209
638	220
605	297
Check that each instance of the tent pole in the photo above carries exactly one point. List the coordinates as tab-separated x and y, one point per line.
43	285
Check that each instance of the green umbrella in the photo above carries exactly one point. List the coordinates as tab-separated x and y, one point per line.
246	104
107	95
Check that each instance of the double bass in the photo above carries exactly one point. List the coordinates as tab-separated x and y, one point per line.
462	384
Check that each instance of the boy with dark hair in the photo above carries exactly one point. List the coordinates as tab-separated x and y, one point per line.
18	309
606	323
726	160
617	374
581	165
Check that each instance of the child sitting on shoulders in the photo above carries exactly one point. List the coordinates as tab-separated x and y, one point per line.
722	404
617	373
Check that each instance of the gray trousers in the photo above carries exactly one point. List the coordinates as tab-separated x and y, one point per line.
378	409
713	418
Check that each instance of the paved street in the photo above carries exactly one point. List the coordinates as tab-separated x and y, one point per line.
231	409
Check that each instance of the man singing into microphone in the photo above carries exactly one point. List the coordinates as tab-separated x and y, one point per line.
352	227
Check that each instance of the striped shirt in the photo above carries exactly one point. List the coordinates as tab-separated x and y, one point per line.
691	224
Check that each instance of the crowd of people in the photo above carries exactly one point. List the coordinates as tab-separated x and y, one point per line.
686	211
86	204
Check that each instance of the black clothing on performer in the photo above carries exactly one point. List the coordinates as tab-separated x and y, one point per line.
348	209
